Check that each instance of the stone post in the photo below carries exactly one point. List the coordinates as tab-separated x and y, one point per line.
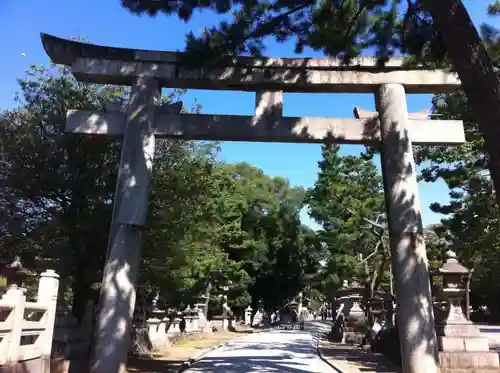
15	297
389	311
118	293
268	106
224	314
189	319
248	315
48	289
414	313
195	313
174	328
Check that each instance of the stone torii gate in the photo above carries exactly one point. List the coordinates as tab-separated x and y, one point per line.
391	128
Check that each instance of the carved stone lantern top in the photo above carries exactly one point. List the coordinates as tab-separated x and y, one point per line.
155	301
15	273
200	307
452	272
194	311
350	290
452	266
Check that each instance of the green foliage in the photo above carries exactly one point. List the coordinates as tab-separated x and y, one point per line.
335	27
471	217
209	222
56	185
347	194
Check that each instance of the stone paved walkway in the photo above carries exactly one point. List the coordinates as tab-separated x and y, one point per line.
277	350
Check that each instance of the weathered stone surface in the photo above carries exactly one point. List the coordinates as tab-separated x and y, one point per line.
248	128
109	65
366	114
414	312
458	330
470	370
268	106
64	51
255	78
476	344
463	344
118	289
471	360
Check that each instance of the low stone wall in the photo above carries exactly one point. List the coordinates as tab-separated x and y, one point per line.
72	341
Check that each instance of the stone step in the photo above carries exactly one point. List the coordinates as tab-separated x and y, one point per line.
469	360
471	370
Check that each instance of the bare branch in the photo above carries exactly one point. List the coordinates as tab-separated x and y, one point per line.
375	251
371	222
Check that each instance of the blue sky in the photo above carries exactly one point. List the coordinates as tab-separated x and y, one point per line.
105	22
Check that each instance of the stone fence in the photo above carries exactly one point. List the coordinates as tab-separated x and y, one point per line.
27	327
162	329
33	332
71	340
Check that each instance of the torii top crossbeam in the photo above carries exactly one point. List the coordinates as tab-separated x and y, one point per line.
110	65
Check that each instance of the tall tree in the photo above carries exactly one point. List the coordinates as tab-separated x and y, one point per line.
263	232
56	188
347	194
471	217
60	184
432	31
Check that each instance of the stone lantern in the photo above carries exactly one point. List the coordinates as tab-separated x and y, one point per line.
196	310
225	307
461	346
155	301
248	315
194	317
15	273
187	311
350	321
453	272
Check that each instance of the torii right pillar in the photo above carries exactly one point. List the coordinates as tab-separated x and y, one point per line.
415	316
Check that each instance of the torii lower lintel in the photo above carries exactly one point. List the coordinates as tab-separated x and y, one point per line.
247	128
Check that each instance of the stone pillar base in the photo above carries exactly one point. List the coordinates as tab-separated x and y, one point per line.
471	353
353	337
470	362
467	344
462	347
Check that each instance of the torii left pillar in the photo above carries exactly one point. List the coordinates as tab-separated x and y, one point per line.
118	289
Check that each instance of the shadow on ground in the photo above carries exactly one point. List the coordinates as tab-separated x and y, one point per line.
356	356
137	365
299	346
243	331
245	364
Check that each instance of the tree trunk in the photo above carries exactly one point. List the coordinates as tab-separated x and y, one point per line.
378	275
81	294
376	278
140	342
473	65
